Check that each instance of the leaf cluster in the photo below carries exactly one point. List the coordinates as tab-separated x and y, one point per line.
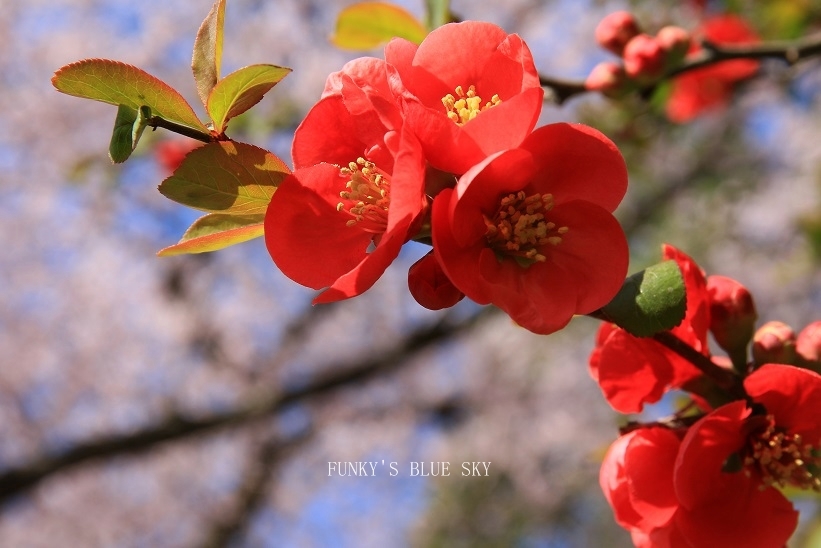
232	181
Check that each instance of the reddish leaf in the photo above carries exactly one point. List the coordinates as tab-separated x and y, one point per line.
226	177
241	90
366	25
207	57
216	231
121	84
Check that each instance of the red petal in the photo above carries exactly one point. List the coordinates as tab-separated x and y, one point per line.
693	330
615	483
506	125
440	137
649	462
407	203
459	262
605	329
327	134
370	268
749	517
631	372
430	286
452	55
699	478
792	395
366	72
578	162
305	235
541	298
594	252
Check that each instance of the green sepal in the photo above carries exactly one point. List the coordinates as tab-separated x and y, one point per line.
650	301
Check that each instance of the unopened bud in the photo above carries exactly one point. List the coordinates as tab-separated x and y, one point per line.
774	342
644	58
615	30
430	286
675	41
808	347
732	313
610	79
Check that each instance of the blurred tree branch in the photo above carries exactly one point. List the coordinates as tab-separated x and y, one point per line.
175	427
252	492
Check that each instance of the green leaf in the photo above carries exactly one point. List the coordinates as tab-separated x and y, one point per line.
216	231
241	90
226	177
366	25
128	128
207	58
650	301
438	13
121	84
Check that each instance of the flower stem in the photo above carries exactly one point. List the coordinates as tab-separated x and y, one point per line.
724	378
157	121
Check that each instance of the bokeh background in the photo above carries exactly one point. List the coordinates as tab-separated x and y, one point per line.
197	400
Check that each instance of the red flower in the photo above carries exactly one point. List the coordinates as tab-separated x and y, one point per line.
632	371
705	88
358	191
530	229
717	487
477	92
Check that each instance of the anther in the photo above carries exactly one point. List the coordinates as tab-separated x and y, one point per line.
464	107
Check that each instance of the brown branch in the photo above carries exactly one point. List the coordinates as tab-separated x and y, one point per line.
788	51
157	121
15	481
724	378
252	491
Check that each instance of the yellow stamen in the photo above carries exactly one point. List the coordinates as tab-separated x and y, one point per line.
464	107
366	197
519	229
782	459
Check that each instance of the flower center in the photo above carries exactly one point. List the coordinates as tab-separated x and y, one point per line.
466	106
519	229
366	197
783	459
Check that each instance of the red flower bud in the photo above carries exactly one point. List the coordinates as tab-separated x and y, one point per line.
644	58
615	30
732	313
774	342
675	41
808	346
608	78
430	286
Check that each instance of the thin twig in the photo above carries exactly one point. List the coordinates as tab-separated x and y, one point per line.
789	51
